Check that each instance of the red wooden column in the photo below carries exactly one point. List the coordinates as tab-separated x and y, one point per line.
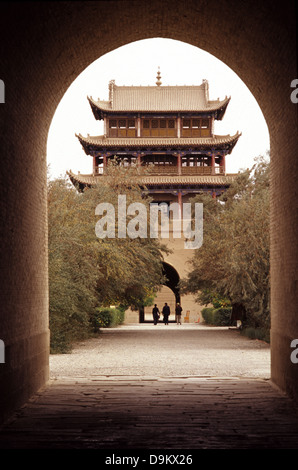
223	164
104	163
178	127
180	202
213	164
137	155
179	163
95	165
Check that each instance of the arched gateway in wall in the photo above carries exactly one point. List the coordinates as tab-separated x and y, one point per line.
43	48
169	293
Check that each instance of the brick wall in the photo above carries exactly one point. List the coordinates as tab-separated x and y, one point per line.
43	48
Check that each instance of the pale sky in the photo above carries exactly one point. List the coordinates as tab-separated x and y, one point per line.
137	64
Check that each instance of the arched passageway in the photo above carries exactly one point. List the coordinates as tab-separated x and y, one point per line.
172	280
169	293
44	47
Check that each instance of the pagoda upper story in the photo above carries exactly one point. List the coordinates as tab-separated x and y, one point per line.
170	128
159	111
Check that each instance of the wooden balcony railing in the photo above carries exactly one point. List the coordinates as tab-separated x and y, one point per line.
174	170
185	170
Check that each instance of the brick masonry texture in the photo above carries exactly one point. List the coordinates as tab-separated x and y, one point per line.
210	391
43	48
170	413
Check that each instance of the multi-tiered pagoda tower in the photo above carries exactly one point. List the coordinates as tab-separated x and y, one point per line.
170	128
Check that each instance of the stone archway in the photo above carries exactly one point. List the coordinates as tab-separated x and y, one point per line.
43	48
164	295
172	280
169	293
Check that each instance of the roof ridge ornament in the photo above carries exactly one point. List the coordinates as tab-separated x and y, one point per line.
158	76
206	84
111	90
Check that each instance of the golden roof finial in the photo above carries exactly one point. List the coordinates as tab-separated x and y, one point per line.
158	83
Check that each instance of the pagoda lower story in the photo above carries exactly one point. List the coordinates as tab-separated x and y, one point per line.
176	170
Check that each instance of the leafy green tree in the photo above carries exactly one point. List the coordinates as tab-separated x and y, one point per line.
87	272
130	270
72	266
233	262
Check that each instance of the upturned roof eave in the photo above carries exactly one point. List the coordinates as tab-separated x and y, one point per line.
99	108
153	180
136	142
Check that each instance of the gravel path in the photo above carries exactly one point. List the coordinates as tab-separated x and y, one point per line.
165	351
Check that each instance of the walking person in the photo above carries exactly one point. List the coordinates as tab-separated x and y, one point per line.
156	314
166	313
178	313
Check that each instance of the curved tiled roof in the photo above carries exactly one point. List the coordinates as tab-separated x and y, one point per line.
158	99
113	142
150	180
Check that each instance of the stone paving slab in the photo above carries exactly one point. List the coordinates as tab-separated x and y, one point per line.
146	387
135	412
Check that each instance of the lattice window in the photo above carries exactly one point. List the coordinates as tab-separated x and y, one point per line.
112	123
131	123
122	123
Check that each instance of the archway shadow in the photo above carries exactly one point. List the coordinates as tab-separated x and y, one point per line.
172	279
